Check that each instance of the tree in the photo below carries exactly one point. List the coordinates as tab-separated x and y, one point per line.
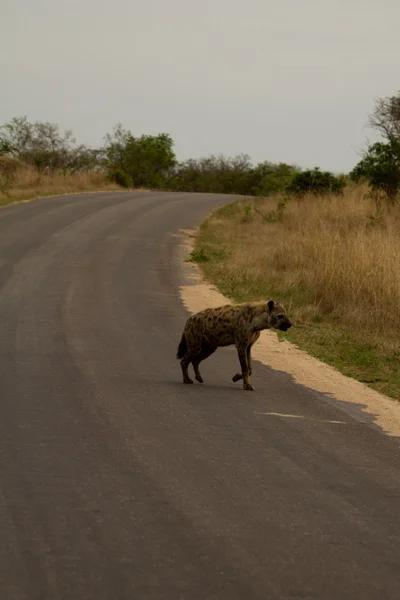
82	158
147	160
380	164
115	146
16	136
385	118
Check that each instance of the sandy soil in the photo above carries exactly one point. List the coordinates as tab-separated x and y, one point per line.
355	398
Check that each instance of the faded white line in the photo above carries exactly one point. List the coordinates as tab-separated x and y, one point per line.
284	416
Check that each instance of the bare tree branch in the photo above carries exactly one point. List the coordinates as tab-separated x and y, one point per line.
386	117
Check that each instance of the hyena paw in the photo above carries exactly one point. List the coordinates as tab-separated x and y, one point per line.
237	377
188	380
248	387
199	378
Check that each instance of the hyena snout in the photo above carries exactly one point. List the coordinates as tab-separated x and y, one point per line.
285	325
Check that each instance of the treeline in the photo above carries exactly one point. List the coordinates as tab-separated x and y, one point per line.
45	147
149	161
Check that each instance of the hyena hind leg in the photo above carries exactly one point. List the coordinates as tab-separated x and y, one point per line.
193	351
185	362
205	352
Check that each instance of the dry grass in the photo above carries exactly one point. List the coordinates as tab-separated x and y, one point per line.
27	184
334	261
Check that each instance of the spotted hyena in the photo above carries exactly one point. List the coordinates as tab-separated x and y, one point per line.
238	324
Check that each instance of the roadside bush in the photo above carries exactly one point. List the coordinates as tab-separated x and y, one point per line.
316	182
121	178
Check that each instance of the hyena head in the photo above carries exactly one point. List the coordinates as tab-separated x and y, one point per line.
277	317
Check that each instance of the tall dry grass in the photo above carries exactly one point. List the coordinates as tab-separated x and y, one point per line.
26	183
336	256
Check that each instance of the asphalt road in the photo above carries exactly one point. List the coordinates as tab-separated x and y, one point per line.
119	482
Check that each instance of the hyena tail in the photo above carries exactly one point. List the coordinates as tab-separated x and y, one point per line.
182	347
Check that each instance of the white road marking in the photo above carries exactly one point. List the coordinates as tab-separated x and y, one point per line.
274	414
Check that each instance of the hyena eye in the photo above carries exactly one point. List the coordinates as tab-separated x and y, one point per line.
280	316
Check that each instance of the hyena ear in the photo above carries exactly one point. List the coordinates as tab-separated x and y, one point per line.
271	305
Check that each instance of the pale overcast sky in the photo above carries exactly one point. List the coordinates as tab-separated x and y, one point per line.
289	80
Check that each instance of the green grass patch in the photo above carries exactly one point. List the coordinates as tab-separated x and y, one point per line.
198	256
353	355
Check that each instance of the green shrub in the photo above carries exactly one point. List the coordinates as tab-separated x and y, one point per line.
121	178
314	181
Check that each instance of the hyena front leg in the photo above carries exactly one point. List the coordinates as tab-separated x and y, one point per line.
239	376
242	354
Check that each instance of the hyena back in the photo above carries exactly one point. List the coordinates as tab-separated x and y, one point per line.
238	324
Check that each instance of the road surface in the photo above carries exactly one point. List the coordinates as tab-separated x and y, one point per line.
119	482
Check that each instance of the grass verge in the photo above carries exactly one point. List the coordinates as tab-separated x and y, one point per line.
334	262
29	185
